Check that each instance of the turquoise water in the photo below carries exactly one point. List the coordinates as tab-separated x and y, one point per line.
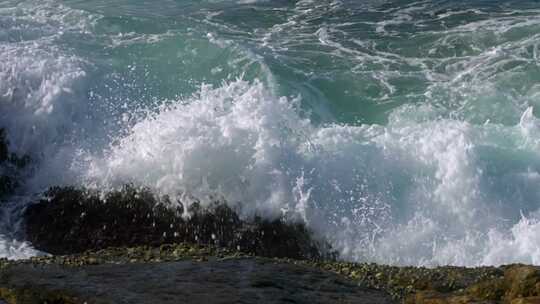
404	132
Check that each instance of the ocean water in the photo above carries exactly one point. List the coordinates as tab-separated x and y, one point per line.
404	132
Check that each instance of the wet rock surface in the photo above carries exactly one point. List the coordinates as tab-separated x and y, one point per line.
229	280
73	220
192	273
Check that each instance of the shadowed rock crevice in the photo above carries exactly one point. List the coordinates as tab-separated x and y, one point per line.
71	220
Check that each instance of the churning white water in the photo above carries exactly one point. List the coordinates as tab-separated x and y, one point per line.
404	133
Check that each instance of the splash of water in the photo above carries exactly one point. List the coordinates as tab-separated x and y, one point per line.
402	132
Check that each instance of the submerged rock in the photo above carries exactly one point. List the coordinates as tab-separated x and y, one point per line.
4	153
73	220
6	183
10	167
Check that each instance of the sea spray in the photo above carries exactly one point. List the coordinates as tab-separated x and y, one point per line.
403	132
413	187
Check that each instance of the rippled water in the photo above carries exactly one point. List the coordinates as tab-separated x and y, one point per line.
404	132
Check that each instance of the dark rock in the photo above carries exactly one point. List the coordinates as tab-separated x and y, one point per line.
4	153
9	158
7	185
75	220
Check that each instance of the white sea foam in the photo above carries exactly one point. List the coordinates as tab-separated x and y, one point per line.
38	79
11	244
40	102
451	178
413	192
36	93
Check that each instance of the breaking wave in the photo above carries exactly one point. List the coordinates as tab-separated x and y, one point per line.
402	133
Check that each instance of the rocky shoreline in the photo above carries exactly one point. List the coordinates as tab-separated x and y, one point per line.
131	246
132	227
181	272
